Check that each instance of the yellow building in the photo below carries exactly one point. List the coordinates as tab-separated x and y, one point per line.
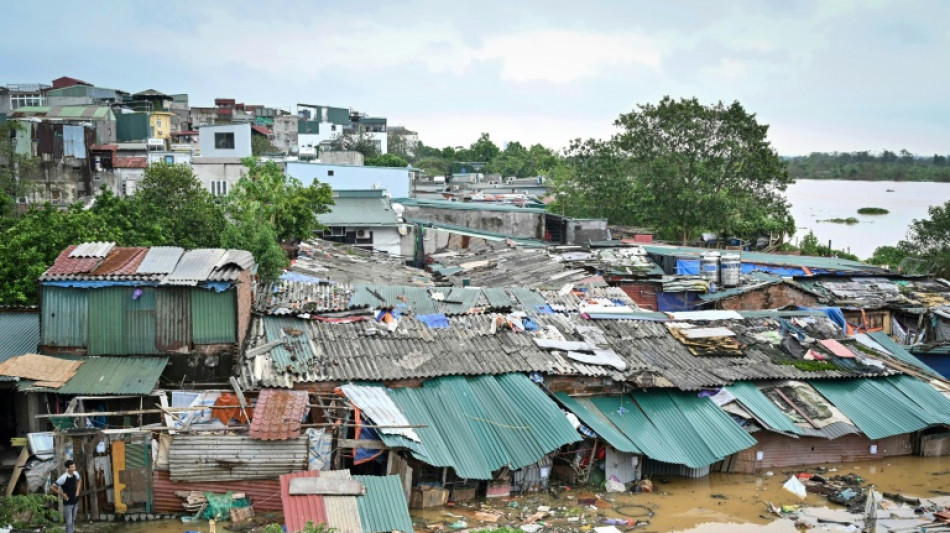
160	123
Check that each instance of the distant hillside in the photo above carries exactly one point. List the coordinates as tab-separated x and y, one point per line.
869	166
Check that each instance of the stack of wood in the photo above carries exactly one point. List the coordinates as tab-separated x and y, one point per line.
195	500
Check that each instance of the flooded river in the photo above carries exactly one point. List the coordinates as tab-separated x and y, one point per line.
719	503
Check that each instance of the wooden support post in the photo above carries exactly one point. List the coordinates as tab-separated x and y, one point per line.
17	470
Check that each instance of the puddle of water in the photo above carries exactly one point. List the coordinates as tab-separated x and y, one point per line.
679	504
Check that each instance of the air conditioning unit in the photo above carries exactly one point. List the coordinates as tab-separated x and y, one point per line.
364	234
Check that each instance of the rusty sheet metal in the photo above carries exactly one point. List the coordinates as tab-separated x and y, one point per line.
300	509
173	319
278	414
65	264
121	261
234	457
264	494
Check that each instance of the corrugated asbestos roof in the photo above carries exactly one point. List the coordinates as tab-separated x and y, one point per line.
383	508
762	407
166	264
103	375
899	351
340	263
672	426
19	334
506	267
343	514
878	408
278	414
478	425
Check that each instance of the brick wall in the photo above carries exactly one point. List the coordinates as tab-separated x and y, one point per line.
774	296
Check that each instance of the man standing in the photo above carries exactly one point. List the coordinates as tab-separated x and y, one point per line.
67	487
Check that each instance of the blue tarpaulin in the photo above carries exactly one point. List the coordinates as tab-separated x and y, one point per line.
676	301
216	286
434	321
690	267
836	316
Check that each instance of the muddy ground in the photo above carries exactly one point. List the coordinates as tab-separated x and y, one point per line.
719	503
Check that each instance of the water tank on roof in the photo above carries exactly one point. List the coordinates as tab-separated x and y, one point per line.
730	267
709	266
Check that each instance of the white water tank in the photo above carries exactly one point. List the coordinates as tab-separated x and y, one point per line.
730	267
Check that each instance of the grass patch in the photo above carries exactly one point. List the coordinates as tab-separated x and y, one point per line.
873	211
810	366
849	221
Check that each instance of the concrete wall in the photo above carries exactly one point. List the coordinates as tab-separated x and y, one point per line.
394	180
218	169
774	296
524	224
584	231
242	140
285	133
342	158
178	158
128	180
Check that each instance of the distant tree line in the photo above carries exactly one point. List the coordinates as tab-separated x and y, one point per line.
870	166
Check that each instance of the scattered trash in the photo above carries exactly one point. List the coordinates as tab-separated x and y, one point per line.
531	528
796	487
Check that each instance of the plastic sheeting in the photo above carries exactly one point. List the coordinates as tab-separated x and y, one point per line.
74	144
690	267
677	301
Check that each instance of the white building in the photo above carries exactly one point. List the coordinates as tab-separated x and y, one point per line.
218	174
364	218
397	181
320	124
229	141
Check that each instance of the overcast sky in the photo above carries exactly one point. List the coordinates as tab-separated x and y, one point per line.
826	75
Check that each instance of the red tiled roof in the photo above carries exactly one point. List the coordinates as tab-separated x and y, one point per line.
122	261
278	413
72	265
130	162
300	509
262	130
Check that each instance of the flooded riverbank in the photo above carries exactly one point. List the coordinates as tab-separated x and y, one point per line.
718	503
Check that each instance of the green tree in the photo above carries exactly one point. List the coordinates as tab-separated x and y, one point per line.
703	167
387	160
260	144
268	194
929	239
171	198
483	150
595	181
355	142
890	256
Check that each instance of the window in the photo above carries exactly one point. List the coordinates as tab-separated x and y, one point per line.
169	160
329	173
158	122
219	188
224	141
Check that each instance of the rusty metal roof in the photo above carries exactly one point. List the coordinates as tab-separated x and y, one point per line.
278	414
264	493
121	261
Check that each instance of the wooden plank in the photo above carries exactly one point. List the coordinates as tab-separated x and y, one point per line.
324	485
362	443
796	408
17	470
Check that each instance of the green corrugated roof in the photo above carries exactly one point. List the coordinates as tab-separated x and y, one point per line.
118	375
935	407
600	424
487	235
480	424
825	263
19	334
359	211
899	351
875	406
383	508
469	206
762	407
675	427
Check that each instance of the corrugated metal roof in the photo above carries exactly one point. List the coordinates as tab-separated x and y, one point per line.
121	261
234	457
19	334
383	508
379	407
812	262
936	406
126	375
590	415
358	212
278	414
343	513
478	425
877	409
300	509
92	249
194	266
160	260
65	317
898	351
762	407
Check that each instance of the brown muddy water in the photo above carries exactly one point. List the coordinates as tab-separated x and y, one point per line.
719	503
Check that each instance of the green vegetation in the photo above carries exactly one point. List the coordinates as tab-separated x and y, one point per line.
262	145
810	366
169	209
681	167
29	512
873	211
309	528
811	246
849	221
386	160
929	239
868	166
890	256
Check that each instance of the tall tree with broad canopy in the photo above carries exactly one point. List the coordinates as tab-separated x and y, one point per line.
929	239
702	167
